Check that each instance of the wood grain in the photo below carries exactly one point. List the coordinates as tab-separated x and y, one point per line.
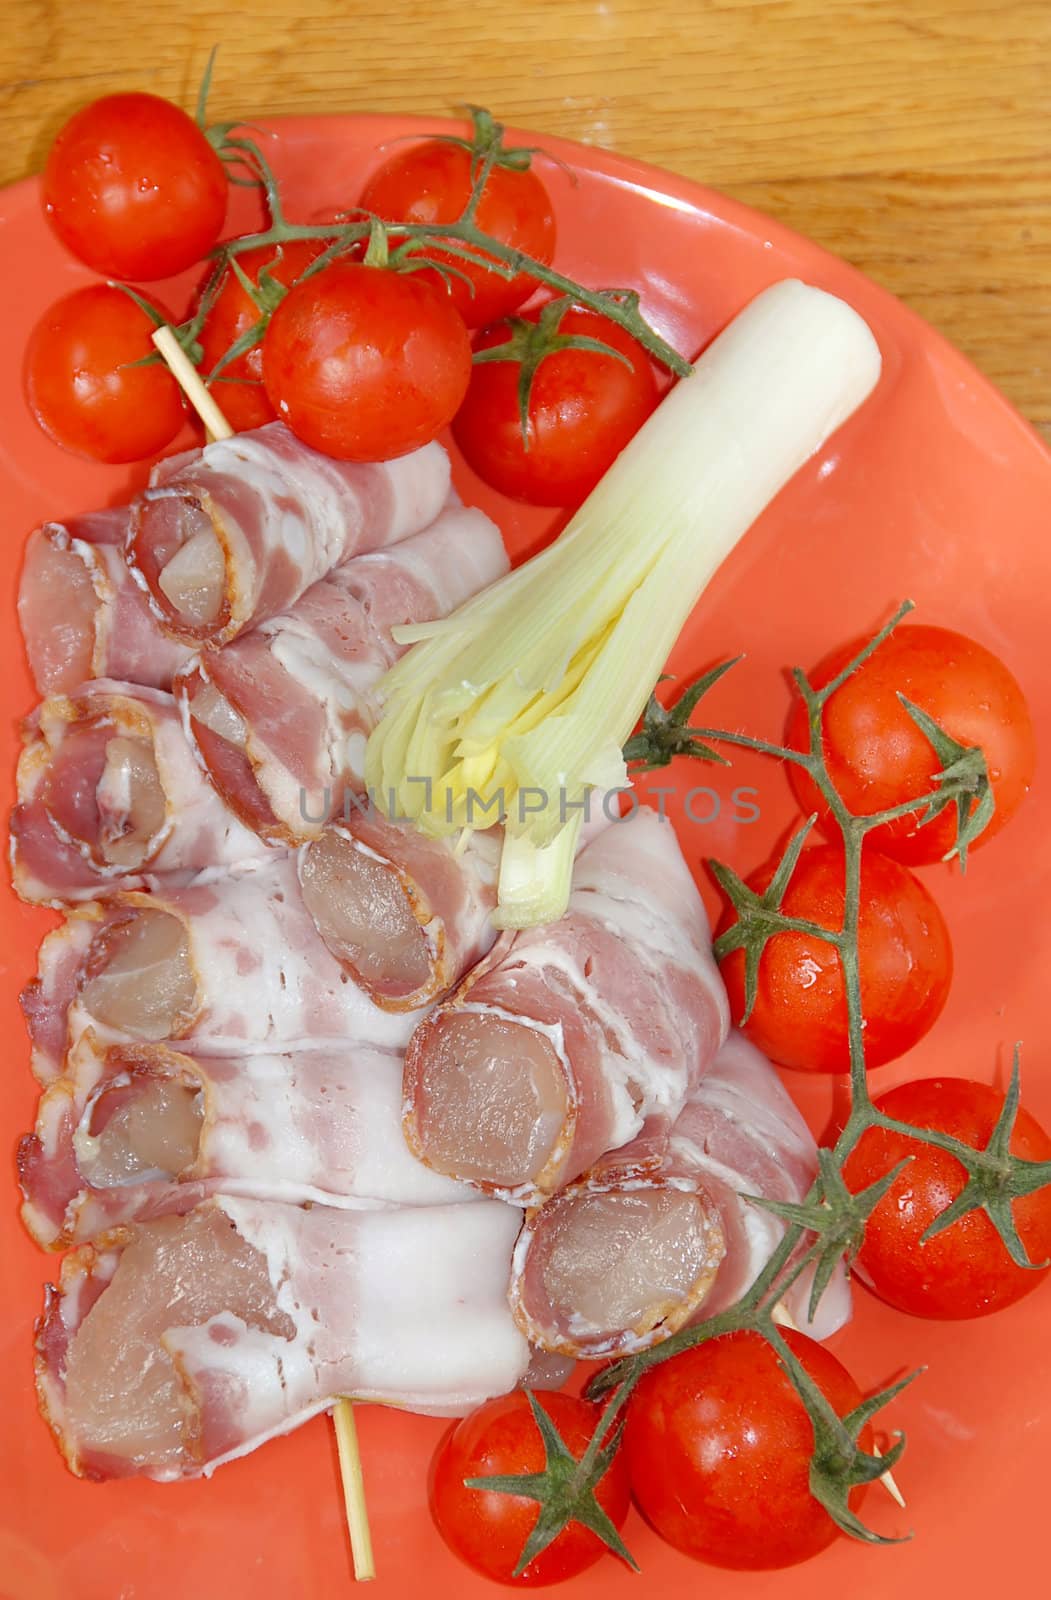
912	138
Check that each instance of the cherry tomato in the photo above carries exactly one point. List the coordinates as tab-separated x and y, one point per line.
238	390
488	1531
81	383
583	409
800	1013
877	756
965	1271
366	364
133	187
719	1446
431	183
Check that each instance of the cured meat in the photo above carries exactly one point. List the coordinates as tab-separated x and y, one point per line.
82	613
570	1040
633	1250
406	914
110	795
281	716
175	1345
237	532
136	1131
234	967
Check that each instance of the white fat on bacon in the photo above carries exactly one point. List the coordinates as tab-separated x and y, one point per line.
655	1236
233	967
570	1040
281	716
175	1345
82	613
110	795
132	1132
235	533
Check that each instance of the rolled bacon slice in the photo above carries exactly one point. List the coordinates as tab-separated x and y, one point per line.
281	716
233	967
636	1248
237	532
110	795
570	1040
175	1345
407	915
133	1132
82	613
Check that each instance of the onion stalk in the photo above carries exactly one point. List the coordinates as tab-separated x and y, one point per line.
521	700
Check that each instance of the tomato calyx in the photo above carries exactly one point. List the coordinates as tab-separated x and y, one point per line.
963	781
835	1215
531	342
665	732
995	1177
565	1488
486	145
760	918
838	1463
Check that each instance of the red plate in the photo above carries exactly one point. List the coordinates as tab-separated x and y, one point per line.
938	491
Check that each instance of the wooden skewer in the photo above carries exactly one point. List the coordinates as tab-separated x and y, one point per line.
190	382
217	427
785	1320
354	1491
887	1480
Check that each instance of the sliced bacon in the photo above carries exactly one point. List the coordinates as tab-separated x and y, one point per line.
236	533
233	967
110	796
82	613
133	1132
569	1040
175	1345
632	1251
281	716
407	915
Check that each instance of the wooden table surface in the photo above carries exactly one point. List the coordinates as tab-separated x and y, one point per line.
912	138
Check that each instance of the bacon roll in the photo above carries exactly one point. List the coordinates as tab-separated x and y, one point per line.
281	716
82	613
110	795
132	1132
235	533
232	967
407	915
645	1242
172	1346
576	1038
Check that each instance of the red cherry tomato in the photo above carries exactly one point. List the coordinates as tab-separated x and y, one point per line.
133	187
719	1447
488	1531
877	756
800	1013
583	408
366	364
431	182
965	1271
238	390
83	387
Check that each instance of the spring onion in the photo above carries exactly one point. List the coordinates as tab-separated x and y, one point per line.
521	701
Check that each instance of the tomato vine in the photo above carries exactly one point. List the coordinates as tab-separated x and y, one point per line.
826	1229
405	247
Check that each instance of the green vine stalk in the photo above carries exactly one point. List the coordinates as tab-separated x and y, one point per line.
827	1228
404	247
